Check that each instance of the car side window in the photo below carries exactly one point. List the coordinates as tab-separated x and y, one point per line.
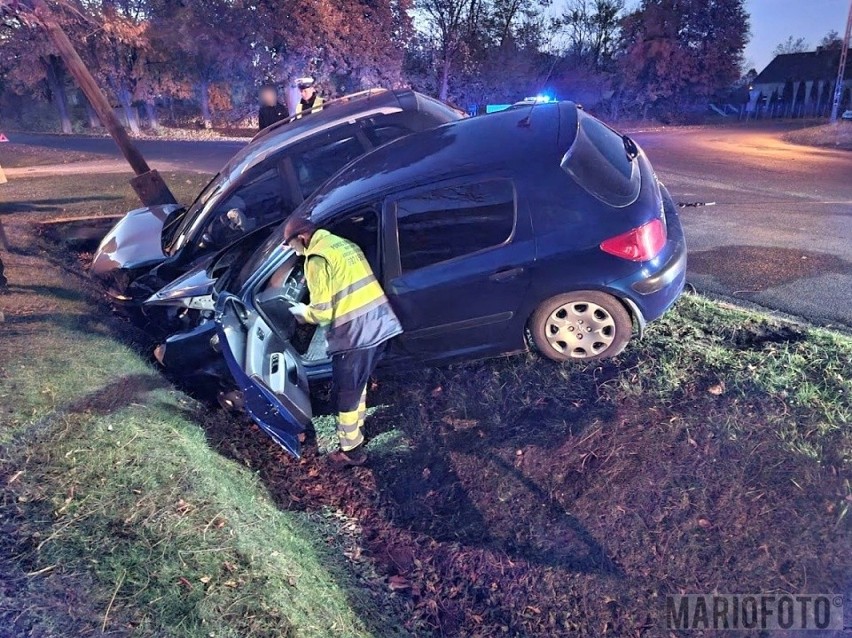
379	135
361	227
315	163
381	129
449	222
258	201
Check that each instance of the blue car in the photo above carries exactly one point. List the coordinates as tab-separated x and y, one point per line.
538	225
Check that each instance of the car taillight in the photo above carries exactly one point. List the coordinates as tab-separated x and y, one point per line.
640	244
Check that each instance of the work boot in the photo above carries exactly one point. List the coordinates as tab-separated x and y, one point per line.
352	458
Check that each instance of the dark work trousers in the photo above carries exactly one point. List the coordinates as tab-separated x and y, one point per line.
350	373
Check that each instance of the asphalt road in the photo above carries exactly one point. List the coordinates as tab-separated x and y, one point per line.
204	157
779	234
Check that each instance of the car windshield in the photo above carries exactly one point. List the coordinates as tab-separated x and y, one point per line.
183	217
602	162
256	260
192	213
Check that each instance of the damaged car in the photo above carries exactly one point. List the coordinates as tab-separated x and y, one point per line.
267	179
535	226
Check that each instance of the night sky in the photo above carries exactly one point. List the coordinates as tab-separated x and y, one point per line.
773	20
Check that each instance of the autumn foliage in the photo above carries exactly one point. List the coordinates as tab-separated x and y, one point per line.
202	62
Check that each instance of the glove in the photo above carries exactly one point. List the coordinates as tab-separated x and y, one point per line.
300	312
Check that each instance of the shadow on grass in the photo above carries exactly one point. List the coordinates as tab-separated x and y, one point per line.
118	395
55	205
459	484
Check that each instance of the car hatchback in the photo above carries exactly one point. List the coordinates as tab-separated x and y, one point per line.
537	222
284	164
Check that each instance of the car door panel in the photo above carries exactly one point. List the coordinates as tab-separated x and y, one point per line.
466	305
267	372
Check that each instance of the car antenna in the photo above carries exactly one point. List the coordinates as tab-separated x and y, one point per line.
526	121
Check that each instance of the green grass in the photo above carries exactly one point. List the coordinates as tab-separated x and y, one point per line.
801	376
120	483
492	476
111	490
26	199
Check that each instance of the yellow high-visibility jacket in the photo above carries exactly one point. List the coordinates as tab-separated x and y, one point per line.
314	109
346	296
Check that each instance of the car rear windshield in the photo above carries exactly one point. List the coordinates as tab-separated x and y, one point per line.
603	162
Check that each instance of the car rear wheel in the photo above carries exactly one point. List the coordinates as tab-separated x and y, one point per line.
582	325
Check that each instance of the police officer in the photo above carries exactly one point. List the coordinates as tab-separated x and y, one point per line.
346	297
271	110
310	97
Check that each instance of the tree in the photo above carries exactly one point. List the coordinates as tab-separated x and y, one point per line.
195	47
450	21
831	40
791	45
680	52
31	65
591	29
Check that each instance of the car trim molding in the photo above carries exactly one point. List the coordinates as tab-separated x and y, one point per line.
476	322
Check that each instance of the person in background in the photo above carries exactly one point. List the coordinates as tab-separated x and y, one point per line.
310	97
271	110
345	296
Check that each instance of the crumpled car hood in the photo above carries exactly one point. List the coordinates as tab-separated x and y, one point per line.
195	283
135	241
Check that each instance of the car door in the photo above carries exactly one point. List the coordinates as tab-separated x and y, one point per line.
266	369
457	259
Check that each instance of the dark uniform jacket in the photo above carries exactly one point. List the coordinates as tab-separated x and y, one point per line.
271	114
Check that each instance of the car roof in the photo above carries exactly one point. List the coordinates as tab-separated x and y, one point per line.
506	140
330	110
334	112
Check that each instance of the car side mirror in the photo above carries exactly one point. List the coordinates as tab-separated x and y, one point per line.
206	240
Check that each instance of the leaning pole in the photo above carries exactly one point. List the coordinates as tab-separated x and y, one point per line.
148	184
841	72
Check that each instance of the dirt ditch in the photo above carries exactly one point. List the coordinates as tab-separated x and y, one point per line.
527	499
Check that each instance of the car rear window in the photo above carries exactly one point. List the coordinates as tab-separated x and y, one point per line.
442	224
603	163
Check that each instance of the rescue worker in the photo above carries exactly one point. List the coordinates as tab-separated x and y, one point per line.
310	97
271	110
346	297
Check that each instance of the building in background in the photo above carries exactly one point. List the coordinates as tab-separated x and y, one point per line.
799	85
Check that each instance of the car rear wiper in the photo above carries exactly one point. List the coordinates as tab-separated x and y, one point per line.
630	148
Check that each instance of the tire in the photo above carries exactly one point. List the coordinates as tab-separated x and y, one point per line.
581	326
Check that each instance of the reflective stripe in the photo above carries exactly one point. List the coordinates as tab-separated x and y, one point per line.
359	315
352	433
354	314
347	445
348	420
353	287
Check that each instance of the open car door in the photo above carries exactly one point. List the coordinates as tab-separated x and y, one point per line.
266	369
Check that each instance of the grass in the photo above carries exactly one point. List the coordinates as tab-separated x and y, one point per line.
114	479
114	502
837	135
29	200
508	497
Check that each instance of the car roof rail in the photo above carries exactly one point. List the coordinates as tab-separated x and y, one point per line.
343	99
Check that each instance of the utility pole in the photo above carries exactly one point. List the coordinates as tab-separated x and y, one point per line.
841	72
148	184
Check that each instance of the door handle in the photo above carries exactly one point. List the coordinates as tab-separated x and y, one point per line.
506	274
